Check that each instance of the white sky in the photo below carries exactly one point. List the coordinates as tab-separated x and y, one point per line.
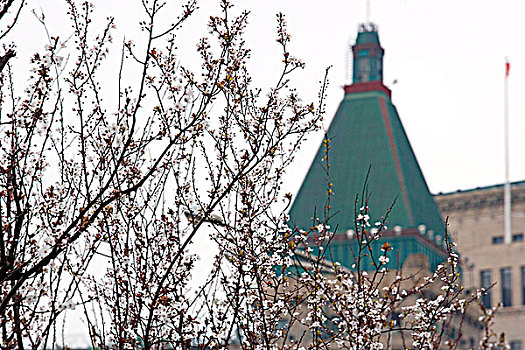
448	58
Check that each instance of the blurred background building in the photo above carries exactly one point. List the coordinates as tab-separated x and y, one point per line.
367	152
476	223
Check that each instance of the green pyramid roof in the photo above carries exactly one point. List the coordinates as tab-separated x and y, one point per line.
366	132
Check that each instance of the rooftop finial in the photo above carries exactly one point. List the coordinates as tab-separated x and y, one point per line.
367	27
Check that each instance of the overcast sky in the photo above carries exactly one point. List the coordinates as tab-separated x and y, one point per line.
447	56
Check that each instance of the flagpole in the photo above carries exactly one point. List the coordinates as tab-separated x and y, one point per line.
507	194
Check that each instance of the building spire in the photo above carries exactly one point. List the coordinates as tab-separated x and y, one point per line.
371	161
367	62
368	55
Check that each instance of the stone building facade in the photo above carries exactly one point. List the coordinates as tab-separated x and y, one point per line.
476	223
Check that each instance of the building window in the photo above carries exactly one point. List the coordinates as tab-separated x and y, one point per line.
506	287
453	333
497	239
379	69
364	69
523	285
515	345
517	237
485	283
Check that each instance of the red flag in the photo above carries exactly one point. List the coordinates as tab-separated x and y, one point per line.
507	68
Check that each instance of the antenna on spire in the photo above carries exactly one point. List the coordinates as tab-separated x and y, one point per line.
367	11
349	63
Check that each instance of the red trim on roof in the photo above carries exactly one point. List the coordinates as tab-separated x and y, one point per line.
365	46
366	87
395	155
